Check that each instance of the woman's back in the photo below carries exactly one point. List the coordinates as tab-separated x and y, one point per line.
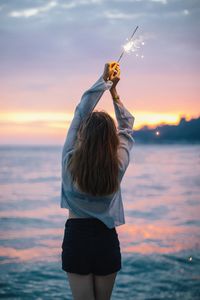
107	208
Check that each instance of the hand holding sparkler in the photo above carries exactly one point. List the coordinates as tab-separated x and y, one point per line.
114	73
111	70
106	73
114	70
115	78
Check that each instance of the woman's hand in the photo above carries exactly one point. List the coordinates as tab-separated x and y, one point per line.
115	81
115	78
114	70
111	71
106	74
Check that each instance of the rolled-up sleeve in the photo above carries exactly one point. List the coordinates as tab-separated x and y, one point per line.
125	122
86	105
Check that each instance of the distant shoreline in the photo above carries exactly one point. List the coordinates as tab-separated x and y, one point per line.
186	132
139	143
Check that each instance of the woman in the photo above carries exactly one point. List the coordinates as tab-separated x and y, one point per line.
94	159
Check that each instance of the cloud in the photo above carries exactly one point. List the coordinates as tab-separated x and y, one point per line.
160	1
30	12
34	11
90	1
69	5
186	12
79	3
120	15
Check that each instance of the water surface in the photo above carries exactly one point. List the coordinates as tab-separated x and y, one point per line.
160	242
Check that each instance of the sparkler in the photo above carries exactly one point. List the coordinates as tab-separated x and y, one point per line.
129	45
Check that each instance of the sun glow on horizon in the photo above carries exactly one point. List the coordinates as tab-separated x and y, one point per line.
50	126
27	117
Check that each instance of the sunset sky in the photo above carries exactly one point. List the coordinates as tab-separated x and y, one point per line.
52	51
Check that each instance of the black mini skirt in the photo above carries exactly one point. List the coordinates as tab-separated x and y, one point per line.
89	246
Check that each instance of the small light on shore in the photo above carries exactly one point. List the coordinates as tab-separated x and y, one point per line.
157	132
190	258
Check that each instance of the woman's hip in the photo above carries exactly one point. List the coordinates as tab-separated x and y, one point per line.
89	233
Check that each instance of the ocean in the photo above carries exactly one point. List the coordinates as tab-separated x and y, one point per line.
160	242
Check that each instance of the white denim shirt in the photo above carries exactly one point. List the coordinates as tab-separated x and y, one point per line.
109	209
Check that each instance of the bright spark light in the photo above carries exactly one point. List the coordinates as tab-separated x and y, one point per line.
128	46
134	45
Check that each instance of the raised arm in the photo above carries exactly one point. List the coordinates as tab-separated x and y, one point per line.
125	130
125	122
86	105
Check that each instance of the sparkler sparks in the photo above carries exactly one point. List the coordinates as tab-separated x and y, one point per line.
128	46
133	45
129	41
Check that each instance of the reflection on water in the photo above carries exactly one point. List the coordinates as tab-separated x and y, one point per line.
161	235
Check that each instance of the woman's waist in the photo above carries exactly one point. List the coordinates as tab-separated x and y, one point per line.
76	222
72	215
